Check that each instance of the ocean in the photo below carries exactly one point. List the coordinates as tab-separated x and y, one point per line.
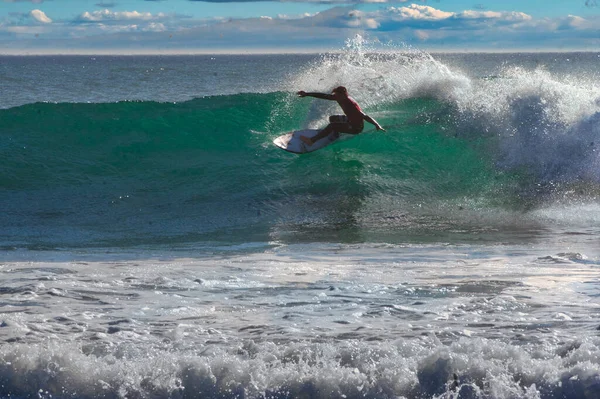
154	243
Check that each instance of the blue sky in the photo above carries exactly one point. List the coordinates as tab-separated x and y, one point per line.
191	26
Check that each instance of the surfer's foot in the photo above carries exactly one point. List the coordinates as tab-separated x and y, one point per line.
306	140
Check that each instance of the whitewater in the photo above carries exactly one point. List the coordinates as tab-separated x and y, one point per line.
155	244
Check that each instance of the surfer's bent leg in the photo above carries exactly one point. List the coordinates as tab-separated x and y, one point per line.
343	125
323	133
338	124
331	128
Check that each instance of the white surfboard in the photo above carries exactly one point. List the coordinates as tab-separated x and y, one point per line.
291	141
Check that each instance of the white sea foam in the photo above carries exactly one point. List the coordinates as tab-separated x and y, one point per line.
375	321
476	368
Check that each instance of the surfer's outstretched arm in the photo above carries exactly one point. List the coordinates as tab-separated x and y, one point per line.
373	122
322	96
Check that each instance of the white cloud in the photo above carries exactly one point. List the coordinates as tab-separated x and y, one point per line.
506	16
418	24
338	18
155	27
40	16
25	30
285	16
415	11
574	21
107	15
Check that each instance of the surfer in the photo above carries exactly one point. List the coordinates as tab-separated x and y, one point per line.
352	122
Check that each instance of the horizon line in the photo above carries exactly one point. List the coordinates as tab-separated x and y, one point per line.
282	52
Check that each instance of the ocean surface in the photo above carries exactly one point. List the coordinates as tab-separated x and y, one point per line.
154	243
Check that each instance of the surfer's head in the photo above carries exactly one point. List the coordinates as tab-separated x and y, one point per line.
341	90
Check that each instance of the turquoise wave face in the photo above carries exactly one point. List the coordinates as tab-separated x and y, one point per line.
131	173
61	144
223	141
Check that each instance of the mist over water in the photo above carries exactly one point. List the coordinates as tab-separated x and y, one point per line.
156	244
